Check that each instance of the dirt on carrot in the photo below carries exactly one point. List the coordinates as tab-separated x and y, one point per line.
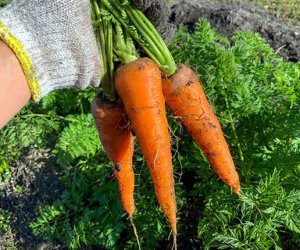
118	142
186	98
139	85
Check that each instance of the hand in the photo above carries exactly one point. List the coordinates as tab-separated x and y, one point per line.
54	41
158	13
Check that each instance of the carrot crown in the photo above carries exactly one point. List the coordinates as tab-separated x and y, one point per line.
117	25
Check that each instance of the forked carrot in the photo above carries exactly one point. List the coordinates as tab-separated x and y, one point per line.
186	98
139	85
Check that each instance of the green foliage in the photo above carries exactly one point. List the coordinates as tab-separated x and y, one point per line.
79	139
5	172
255	94
84	216
6	239
4	2
5	218
255	221
256	97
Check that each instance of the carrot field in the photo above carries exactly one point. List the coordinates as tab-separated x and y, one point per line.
57	185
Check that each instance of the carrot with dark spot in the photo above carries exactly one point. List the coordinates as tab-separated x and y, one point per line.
110	117
186	98
117	140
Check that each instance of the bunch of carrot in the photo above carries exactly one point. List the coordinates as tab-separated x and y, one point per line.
134	97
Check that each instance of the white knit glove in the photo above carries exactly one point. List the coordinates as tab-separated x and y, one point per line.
54	42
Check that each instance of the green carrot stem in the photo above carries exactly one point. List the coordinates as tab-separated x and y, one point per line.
120	40
124	47
110	55
143	32
168	56
152	33
148	36
105	41
100	35
236	138
129	44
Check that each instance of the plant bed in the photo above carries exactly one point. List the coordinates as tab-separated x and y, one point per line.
264	114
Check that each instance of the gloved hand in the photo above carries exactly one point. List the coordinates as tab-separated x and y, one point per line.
54	42
158	13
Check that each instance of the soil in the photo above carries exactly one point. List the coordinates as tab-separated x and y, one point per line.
37	175
231	16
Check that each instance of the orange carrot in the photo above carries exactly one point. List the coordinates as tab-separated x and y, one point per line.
139	85
186	98
117	140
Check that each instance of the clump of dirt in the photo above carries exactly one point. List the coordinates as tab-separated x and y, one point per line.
231	16
34	181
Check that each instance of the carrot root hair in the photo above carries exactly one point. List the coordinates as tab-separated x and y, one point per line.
174	241
187	100
135	232
140	87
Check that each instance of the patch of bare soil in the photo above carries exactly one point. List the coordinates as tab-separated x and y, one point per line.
231	16
35	181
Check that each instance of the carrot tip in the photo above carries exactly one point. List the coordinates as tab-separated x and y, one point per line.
237	190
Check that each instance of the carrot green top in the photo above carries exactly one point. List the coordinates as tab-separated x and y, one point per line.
143	32
104	37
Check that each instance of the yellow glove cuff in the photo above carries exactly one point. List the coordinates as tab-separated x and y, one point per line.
24	60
